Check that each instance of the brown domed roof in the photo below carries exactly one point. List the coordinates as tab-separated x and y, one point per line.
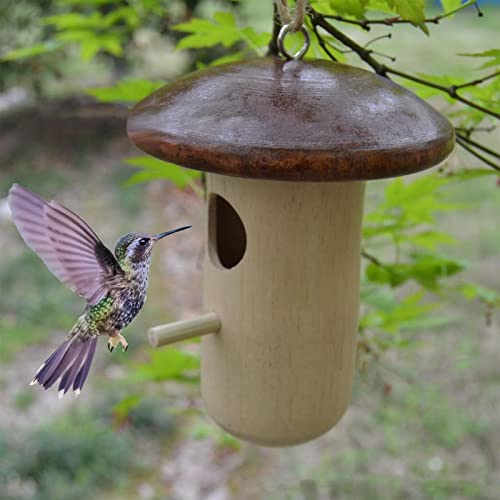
291	120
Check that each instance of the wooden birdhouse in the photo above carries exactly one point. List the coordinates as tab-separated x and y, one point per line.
288	146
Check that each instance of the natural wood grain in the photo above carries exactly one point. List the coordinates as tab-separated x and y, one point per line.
296	120
281	368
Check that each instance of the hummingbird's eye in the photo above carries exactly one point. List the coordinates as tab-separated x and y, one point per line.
143	242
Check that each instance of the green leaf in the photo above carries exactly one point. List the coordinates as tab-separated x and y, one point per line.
453	6
123	408
393	275
425	322
129	91
76	21
169	364
111	44
411	10
429	240
91	43
427	270
221	30
380	6
123	14
208	33
254	39
76	35
449	5
89	48
157	169
487	295
349	8
142	176
34	50
407	206
229	58
492	54
223	439
408	313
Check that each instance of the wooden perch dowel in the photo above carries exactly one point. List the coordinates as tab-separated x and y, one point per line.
185	329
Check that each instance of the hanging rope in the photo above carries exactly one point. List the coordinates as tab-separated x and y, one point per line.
296	20
292	23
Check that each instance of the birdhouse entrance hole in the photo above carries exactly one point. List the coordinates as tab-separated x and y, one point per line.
226	233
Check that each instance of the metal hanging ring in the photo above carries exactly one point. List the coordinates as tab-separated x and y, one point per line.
287	28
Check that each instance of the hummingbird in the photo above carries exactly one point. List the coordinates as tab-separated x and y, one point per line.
114	286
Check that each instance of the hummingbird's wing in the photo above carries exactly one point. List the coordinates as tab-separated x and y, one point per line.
65	242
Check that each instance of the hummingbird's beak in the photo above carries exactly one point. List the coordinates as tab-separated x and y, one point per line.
159	236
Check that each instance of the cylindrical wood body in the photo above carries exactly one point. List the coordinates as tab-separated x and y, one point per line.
280	370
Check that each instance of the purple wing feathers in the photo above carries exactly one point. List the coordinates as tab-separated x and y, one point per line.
67	245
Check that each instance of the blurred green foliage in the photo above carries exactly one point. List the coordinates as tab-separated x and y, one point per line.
152	169
169	364
431	410
76	453
223	440
402	247
492	56
403	228
221	30
126	91
82	453
414	417
26	315
94	26
411	269
148	415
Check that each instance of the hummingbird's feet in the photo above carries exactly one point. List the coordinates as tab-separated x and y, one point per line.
115	340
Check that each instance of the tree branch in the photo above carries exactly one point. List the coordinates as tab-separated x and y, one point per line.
323	44
476	154
468	131
366	55
451	90
391	21
273	44
477	145
381	69
477	82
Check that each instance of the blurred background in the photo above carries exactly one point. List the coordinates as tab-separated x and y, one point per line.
424	421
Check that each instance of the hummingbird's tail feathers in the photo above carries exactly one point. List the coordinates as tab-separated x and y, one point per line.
70	362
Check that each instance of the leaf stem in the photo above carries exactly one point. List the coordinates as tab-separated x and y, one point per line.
371	258
477	81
